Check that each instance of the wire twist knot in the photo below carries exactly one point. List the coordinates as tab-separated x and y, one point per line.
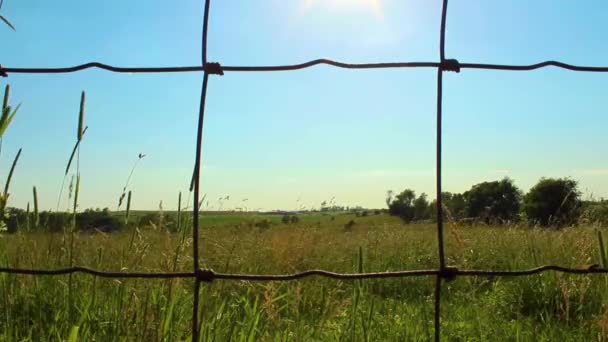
450	65
448	273
3	72
206	275
214	69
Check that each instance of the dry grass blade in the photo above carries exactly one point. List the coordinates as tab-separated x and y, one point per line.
192	181
7	91
140	156
36	216
67	168
81	117
8	23
27	217
179	211
602	249
76	191
121	198
7	117
5	108
128	212
200	204
10	173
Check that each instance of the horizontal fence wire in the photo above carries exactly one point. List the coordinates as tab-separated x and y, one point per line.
443	273
207	275
291	67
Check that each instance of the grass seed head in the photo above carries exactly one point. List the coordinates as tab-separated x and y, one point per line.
81	117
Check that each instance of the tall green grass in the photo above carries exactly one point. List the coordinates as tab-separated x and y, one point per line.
545	307
6	117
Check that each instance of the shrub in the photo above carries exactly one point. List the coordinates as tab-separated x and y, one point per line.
454	206
263	224
98	220
402	205
494	202
595	213
349	225
55	222
15	219
158	220
553	202
88	220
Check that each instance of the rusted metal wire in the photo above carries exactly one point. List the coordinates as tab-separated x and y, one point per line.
437	309
209	68
442	273
4	71
206	275
445	65
98	273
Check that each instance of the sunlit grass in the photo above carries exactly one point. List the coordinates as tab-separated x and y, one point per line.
543	307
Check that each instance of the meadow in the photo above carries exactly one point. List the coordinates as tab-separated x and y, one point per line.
546	307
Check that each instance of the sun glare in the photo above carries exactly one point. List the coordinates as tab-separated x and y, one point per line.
372	6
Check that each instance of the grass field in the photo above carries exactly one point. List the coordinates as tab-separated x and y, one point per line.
548	307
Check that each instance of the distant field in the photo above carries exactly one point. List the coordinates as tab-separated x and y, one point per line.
548	307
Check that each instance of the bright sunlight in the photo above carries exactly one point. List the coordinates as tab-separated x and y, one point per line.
372	6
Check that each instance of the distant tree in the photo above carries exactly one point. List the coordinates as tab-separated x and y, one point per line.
421	208
100	220
457	205
403	205
88	220
553	202
496	201
389	197
594	212
15	219
454	205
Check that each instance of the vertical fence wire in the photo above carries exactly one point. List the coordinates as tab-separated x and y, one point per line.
438	177
197	174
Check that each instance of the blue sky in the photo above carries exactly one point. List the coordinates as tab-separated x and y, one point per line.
274	138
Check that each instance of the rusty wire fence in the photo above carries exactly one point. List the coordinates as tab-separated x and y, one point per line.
442	273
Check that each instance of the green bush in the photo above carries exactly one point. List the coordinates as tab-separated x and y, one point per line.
595	213
407	206
88	220
160	221
263	224
494	202
349	225
553	202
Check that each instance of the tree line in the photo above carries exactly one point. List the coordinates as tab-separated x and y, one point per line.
550	202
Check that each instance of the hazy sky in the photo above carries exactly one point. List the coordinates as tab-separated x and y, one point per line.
274	138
